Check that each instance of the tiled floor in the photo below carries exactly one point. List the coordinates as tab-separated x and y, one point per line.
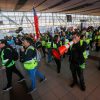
57	86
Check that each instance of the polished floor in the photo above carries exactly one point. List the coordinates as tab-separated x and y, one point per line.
57	86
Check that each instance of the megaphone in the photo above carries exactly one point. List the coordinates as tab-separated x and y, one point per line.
64	48
61	50
56	54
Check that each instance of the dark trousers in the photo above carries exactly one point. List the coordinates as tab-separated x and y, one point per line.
43	49
77	72
97	48
99	65
58	63
9	72
91	44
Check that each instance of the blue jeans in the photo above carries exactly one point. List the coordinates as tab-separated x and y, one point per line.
33	74
49	55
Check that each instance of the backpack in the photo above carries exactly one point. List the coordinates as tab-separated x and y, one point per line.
15	54
38	55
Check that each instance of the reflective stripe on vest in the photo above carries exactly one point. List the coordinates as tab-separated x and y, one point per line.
48	45
87	41
54	46
66	41
5	61
97	37
87	33
61	43
83	66
81	42
43	43
84	53
31	64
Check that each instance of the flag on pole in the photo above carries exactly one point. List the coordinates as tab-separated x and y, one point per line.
36	24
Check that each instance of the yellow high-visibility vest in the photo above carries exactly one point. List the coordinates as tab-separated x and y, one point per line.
31	64
4	61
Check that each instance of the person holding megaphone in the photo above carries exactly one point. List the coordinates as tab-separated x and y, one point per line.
77	61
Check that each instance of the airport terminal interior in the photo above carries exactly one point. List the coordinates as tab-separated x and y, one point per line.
49	49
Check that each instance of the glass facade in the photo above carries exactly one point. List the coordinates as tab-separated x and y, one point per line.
12	20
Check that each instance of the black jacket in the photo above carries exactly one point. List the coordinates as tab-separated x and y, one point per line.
7	54
28	56
76	53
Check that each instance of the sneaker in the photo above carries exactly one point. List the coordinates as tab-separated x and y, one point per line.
42	80
31	91
58	74
72	85
83	88
7	88
98	68
20	80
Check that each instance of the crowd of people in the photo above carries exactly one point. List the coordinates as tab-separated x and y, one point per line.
27	49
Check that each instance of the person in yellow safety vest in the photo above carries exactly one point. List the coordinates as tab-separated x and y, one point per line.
55	44
9	63
88	43
85	53
48	46
31	63
97	41
77	61
89	36
66	41
43	41
62	38
87	40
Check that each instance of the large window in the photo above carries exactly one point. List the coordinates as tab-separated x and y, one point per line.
13	20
